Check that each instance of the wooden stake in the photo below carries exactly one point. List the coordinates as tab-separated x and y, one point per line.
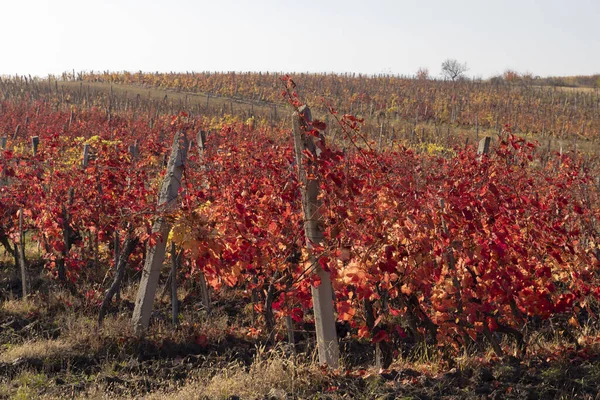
35	141
22	254
484	146
289	323
86	155
204	292
155	255
322	295
174	302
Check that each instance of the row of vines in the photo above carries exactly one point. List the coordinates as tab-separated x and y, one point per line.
447	251
541	110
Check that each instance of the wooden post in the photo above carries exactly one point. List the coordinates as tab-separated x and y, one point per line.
86	155
155	255
201	140
289	324
62	268
35	141
134	150
22	254
205	293
3	181
484	146
117	251
322	295
174	302
380	136
204	290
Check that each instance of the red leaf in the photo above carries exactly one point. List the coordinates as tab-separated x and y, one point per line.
401	332
394	312
297	314
381	336
202	340
320	125
323	261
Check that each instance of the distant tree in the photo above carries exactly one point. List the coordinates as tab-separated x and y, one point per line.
496	80
453	70
422	74
511	76
527	78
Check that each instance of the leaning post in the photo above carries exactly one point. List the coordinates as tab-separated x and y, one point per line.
155	254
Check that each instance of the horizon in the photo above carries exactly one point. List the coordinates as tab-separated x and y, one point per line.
437	77
396	38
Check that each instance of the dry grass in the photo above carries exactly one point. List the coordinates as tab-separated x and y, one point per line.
272	375
79	333
41	349
32	251
83	332
21	307
577	89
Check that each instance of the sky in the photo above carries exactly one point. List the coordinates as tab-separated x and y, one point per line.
542	37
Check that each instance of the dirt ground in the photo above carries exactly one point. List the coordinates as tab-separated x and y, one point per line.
51	347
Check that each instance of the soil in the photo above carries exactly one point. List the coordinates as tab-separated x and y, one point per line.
129	367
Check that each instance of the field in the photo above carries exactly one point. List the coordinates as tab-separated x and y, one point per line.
181	236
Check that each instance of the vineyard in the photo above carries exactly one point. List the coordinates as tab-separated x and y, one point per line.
343	236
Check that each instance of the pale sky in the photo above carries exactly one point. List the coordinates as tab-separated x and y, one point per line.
544	37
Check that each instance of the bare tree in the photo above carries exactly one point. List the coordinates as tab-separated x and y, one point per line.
422	74
453	70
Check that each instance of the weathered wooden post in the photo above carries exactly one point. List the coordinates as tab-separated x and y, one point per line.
2	173
134	150
86	155
201	140
35	142
174	301
204	290
116	255
155	255
380	136
484	146
322	295
22	254
289	325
